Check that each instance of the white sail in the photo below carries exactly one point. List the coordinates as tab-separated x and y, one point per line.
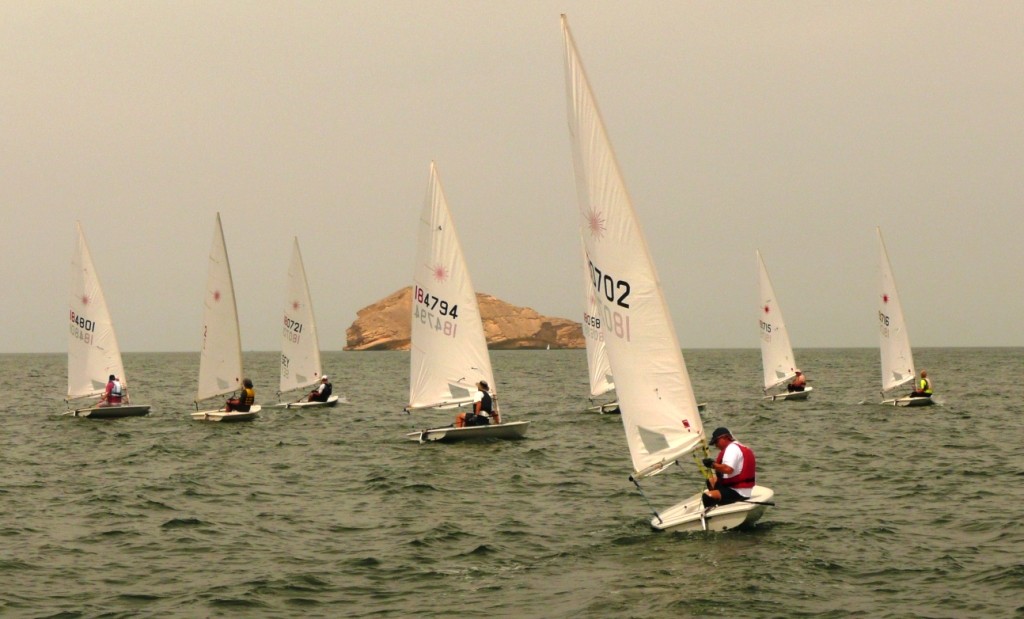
659	411
300	346
599	368
897	359
220	359
776	351
449	349
93	353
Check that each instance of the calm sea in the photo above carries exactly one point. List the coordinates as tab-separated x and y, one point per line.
881	512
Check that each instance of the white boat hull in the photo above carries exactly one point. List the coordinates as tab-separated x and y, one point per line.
225	416
909	401
511	430
790	395
690	515
111	412
608	408
331	401
612	408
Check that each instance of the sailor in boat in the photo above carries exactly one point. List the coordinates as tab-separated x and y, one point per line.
113	394
246	398
732	478
924	387
483	408
322	392
799	383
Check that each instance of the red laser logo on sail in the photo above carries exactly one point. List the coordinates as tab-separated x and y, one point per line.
595	223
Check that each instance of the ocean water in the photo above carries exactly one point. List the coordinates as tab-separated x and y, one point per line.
881	512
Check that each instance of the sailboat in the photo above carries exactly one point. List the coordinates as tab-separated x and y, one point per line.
776	351
599	369
449	350
300	347
897	358
659	410
220	361
93	353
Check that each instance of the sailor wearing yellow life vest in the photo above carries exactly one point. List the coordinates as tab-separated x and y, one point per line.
245	399
924	386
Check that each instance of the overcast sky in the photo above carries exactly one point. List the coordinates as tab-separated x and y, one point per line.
794	128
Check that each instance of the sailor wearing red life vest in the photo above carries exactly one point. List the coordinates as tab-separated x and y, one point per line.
733	479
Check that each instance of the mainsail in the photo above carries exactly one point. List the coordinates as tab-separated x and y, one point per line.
776	351
220	359
897	359
93	353
300	346
659	411
449	349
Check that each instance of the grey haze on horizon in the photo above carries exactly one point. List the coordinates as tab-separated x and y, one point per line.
794	128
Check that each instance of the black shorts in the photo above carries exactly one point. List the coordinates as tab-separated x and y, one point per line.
729	495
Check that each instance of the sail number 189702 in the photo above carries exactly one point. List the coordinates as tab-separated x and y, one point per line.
616	293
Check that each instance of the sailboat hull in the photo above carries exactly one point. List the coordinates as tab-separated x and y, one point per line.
225	416
511	430
691	516
909	401
790	395
111	412
612	408
608	408
331	401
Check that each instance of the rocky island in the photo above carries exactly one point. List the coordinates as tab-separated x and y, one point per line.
385	325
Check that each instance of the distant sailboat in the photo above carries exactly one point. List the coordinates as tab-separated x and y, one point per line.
93	353
300	347
449	350
598	367
659	411
776	350
220	361
894	342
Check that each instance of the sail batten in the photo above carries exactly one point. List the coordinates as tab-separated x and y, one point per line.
449	348
659	411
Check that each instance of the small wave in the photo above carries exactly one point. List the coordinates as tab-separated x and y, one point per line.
14	564
138	597
175	523
420	487
482	549
236	603
303	602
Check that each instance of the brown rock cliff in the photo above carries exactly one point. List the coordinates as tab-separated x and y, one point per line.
385	325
